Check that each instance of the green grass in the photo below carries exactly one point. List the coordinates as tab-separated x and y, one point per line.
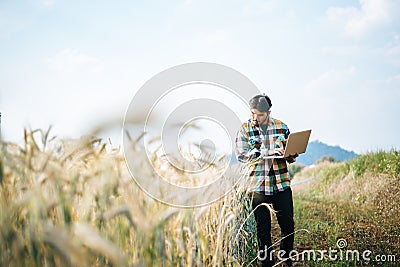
357	200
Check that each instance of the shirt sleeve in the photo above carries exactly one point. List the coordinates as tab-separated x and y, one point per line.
244	152
287	132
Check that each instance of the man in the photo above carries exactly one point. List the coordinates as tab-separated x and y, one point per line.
260	136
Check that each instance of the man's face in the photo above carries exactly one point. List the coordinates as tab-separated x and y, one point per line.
259	117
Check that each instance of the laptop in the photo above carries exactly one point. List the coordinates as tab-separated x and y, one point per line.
296	144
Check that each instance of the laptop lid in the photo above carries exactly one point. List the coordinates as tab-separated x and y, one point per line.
296	144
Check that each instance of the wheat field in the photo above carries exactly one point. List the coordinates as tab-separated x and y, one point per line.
74	203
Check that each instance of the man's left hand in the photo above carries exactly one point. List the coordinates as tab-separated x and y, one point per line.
291	158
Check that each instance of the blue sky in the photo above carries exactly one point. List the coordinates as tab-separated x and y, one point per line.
333	66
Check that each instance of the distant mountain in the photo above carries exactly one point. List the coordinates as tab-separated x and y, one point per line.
317	149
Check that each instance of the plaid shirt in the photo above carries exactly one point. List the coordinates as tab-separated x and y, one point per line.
270	175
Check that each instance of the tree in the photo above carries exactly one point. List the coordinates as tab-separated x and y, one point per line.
326	158
295	168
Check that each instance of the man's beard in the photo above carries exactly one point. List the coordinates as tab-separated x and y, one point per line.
255	122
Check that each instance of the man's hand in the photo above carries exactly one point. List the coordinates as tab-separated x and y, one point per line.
291	158
276	152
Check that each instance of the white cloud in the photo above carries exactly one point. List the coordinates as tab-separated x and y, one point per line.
393	55
395	79
47	3
371	15
11	23
332	79
214	38
328	92
188	2
258	7
392	85
323	94
71	60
